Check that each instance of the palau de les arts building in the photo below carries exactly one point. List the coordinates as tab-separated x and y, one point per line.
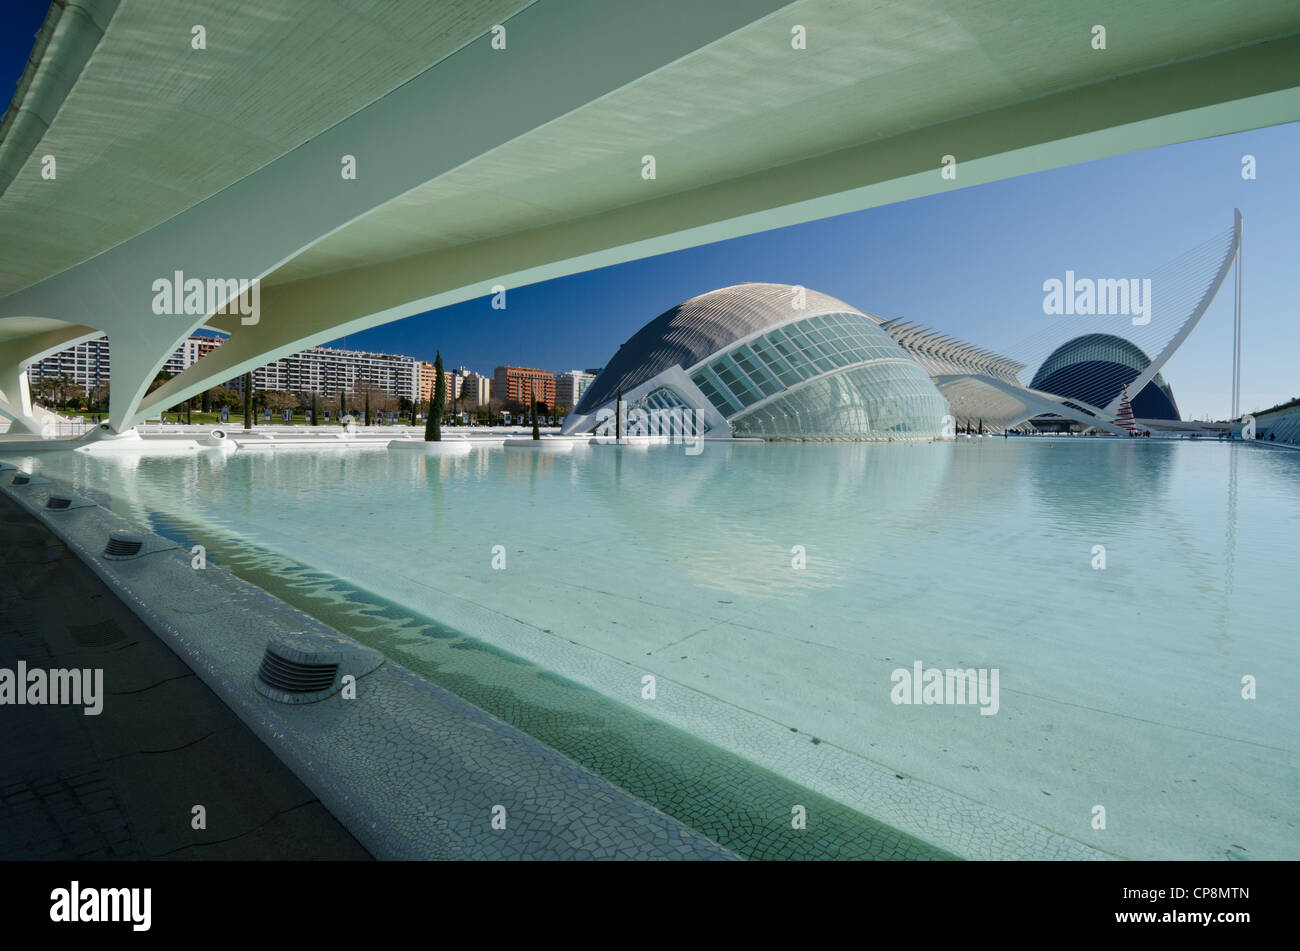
783	363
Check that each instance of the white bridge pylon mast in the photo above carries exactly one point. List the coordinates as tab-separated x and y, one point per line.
1236	319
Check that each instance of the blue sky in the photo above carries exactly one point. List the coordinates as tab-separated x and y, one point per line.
19	21
970	262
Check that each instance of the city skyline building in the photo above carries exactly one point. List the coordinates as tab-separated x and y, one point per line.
323	370
327	371
453	381
87	364
571	385
476	391
520	384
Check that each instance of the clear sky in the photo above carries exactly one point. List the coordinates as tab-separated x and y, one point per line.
19	21
970	262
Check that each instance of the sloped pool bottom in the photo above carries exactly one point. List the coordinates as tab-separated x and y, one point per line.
739	805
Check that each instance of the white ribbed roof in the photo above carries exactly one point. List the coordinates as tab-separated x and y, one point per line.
686	334
944	355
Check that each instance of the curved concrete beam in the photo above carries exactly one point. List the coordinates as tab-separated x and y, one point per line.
1034	402
459	109
16	356
71	32
250	228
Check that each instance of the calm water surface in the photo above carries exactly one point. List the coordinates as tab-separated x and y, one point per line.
1119	687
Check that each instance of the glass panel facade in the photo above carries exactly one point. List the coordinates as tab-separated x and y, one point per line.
736	382
756	371
892	399
788	355
713	390
666	410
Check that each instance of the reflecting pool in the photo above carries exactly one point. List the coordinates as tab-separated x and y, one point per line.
762	599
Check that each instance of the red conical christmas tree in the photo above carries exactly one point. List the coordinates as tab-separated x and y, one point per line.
1125	418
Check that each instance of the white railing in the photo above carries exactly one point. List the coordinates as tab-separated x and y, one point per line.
63	428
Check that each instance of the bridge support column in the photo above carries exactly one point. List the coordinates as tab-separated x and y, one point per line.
16	400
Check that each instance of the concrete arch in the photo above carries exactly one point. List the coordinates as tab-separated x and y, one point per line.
17	354
266	220
252	227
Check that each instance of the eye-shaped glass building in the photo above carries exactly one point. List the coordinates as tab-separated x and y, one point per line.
772	361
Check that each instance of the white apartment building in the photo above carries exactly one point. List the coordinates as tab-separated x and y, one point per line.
326	371
475	391
320	369
570	385
87	364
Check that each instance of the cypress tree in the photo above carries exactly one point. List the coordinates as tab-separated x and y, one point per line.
532	398
248	400
437	402
315	419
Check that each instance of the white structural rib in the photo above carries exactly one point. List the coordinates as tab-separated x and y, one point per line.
940	353
1147	375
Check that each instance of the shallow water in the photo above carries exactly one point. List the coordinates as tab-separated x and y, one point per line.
1119	687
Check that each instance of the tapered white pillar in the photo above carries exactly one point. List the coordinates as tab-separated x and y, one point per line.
16	400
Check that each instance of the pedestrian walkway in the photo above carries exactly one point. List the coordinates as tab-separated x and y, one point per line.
124	786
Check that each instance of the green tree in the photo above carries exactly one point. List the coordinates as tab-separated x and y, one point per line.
99	397
248	400
223	396
437	402
162	377
532	398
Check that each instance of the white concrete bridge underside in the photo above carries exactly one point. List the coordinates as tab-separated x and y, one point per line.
513	166
42	337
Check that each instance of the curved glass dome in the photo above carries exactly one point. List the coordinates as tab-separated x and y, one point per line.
778	362
1094	368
